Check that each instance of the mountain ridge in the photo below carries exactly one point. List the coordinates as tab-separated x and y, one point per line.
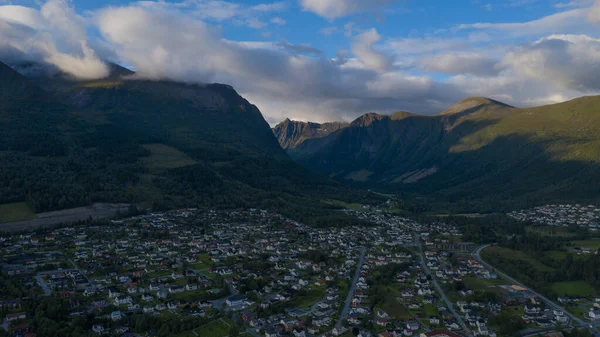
158	144
478	150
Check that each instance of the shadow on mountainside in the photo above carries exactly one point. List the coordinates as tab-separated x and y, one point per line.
503	172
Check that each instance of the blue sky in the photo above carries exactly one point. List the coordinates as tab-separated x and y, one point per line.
325	59
410	18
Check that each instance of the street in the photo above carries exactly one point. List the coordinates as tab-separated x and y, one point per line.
439	289
346	308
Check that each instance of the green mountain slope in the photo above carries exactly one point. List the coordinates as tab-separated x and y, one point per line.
481	152
154	143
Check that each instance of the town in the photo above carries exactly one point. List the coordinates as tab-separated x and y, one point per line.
255	273
561	215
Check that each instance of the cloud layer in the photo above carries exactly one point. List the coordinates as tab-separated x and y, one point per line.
184	42
55	34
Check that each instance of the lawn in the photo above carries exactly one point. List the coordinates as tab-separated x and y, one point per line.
577	311
591	244
17	211
510	254
482	284
430	310
214	329
356	207
575	288
307	301
557	255
394	308
552	231
195	295
165	157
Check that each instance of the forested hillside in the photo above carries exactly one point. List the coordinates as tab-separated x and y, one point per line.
158	144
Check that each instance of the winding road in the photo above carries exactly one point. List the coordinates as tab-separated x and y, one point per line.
550	303
352	289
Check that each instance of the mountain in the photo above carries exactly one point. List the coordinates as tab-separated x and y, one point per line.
481	152
158	144
291	133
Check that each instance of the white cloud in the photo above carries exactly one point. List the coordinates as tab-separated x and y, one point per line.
545	61
561	21
55	34
332	9
362	47
163	40
461	63
329	30
220	10
594	13
278	21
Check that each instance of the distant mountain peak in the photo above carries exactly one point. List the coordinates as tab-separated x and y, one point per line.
367	119
473	104
291	133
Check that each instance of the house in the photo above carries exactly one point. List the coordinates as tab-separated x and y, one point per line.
98	328
116	315
162	293
15	316
382	314
412	325
434	320
532	310
176	289
235	301
383	322
122	300
113	292
594	313
191	287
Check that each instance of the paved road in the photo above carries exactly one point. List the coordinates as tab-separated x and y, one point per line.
49	219
352	289
219	303
439	289
550	303
43	285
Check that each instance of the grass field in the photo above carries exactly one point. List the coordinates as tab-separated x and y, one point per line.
576	289
15	212
552	231
395	309
482	284
557	255
214	329
165	157
577	311
356	207
591	244
510	254
307	301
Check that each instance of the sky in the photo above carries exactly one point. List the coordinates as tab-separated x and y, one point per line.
324	60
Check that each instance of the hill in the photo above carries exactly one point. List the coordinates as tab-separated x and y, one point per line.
483	153
158	144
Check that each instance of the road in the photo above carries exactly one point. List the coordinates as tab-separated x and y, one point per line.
219	303
439	289
550	303
348	301
49	219
43	285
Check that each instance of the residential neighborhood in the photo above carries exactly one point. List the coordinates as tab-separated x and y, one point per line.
256	273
